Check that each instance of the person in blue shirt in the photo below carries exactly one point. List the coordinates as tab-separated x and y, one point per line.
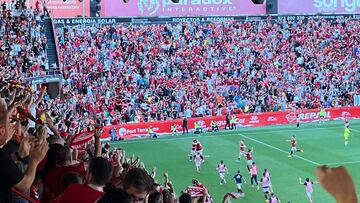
239	179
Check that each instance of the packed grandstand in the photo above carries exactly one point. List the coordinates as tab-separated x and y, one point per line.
137	73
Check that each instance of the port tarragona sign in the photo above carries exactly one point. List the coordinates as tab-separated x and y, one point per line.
318	6
146	8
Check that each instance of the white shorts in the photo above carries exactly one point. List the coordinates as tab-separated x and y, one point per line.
193	152
266	189
239	186
242	153
249	162
222	175
200	151
294	149
309	194
197	163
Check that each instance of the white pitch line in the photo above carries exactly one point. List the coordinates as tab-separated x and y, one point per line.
355	130
278	149
342	163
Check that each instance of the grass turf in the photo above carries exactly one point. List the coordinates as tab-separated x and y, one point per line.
322	144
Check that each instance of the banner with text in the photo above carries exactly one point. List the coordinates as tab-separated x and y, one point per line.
318	6
131	130
145	8
62	8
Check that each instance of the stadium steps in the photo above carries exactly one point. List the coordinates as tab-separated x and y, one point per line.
51	46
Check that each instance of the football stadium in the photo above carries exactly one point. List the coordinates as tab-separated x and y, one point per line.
179	101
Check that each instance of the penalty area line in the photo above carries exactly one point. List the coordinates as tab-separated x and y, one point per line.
342	163
280	150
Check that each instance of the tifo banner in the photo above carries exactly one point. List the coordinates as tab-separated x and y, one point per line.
318	6
132	130
145	8
81	139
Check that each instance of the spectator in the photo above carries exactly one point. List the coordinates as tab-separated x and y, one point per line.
64	165
113	195
138	184
99	174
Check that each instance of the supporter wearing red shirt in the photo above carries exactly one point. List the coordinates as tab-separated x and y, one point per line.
64	166
99	173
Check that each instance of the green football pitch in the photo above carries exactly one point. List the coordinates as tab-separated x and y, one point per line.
322	144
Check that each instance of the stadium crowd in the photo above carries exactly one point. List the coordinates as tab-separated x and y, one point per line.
22	40
36	155
38	163
164	71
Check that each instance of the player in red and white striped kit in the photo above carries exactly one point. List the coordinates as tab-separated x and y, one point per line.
199	147
293	146
242	149
222	169
249	159
193	149
198	159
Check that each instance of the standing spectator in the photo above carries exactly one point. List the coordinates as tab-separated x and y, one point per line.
99	173
185	125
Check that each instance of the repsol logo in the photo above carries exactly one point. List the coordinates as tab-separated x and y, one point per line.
333	5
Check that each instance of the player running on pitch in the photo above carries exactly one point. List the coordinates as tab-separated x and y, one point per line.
198	159
253	175
293	146
242	149
193	150
199	147
346	135
309	187
239	179
222	169
265	181
267	174
249	159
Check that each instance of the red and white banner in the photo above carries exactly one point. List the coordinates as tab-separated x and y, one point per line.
131	130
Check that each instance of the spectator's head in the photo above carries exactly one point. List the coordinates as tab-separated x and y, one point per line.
168	197
69	179
156	197
113	195
138	184
185	198
51	157
100	171
63	156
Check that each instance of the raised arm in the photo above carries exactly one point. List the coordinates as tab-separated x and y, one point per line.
37	153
